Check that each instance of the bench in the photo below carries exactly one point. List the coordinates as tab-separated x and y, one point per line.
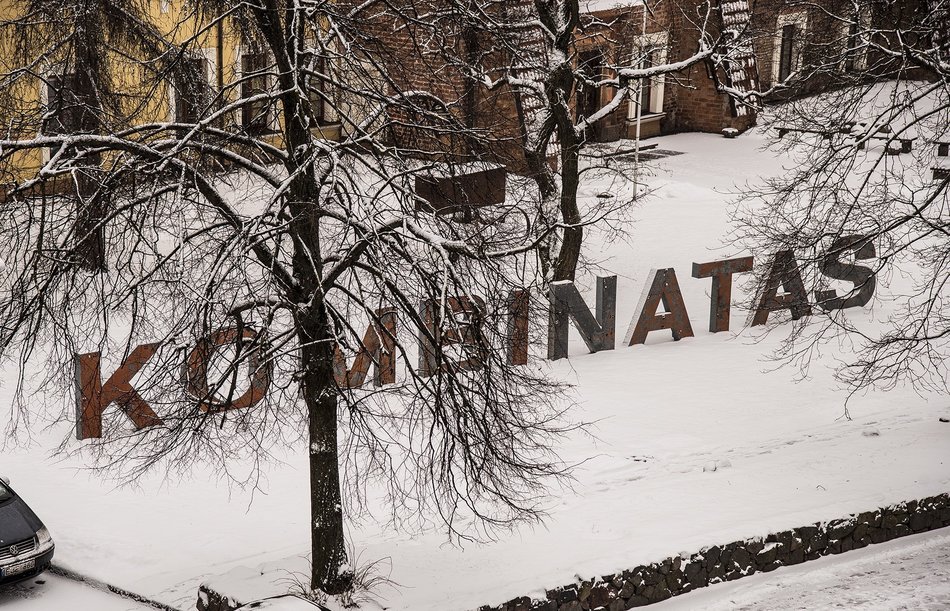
907	144
826	134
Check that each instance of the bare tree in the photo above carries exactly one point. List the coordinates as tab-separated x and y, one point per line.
252	272
515	75
530	51
861	104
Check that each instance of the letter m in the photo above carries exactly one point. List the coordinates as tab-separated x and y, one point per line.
93	397
378	348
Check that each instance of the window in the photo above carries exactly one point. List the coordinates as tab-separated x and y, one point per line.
64	108
316	92
5	493
854	33
786	63
67	109
591	65
787	55
192	89
650	51
256	115
648	90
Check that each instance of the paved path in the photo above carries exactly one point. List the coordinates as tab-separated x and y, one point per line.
908	573
50	592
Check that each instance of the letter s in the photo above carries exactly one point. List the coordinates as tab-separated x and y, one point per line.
862	277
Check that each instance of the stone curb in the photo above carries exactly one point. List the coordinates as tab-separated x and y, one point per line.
62	571
652	583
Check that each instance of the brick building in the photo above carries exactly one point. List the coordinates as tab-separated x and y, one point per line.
779	37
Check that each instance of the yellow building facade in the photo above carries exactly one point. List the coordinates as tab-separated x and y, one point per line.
37	80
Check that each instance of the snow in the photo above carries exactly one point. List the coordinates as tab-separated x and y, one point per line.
54	593
285	603
908	573
694	443
592	6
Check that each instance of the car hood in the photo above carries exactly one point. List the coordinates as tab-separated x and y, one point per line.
17	522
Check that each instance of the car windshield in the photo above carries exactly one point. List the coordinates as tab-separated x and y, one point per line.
5	493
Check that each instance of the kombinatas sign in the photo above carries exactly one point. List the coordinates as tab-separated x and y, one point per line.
783	289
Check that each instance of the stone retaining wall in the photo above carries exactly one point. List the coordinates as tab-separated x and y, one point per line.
658	581
655	582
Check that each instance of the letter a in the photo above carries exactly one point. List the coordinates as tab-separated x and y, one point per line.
661	286
93	397
784	274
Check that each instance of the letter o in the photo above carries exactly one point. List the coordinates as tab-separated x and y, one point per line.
197	371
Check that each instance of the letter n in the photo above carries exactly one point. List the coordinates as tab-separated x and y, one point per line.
597	331
661	286
93	397
784	274
378	348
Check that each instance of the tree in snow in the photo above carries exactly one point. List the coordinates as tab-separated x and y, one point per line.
861	107
256	283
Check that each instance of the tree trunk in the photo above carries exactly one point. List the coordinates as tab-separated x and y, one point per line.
540	172
90	211
326	506
573	237
91	204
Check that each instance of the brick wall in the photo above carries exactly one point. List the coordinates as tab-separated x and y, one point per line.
691	102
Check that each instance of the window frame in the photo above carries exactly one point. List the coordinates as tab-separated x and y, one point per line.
56	71
269	124
317	94
856	59
799	20
647	45
209	58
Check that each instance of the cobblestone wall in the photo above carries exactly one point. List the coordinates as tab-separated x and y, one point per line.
659	581
680	574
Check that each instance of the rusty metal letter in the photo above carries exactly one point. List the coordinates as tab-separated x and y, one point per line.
518	308
784	274
661	286
93	397
465	322
378	348
862	277
720	299
597	331
197	371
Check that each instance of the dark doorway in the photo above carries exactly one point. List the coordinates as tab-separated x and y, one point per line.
591	64
786	62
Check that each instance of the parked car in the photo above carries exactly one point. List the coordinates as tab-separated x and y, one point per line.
26	548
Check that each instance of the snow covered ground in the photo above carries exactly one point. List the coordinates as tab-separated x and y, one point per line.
694	443
908	573
50	592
